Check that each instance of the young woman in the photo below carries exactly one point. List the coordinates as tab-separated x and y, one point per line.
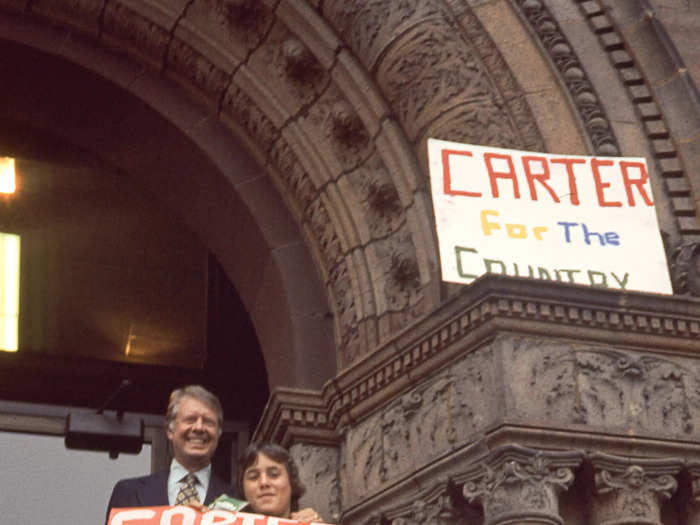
269	481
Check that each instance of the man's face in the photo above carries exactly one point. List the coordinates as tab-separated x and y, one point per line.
194	433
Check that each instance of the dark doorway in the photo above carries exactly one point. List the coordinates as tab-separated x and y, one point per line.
113	283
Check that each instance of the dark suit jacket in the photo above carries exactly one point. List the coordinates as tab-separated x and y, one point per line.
152	491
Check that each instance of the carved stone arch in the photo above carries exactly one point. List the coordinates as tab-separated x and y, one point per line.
334	104
618	66
134	121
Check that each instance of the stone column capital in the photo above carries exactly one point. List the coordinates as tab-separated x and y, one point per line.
441	504
520	484
631	490
693	510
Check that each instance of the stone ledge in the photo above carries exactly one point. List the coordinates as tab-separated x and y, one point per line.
492	305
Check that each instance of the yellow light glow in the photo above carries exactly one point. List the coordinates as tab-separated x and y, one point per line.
129	340
9	291
7	175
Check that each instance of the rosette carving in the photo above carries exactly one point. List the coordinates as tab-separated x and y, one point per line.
299	64
242	14
346	126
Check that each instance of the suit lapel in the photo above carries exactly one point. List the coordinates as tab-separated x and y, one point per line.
154	491
216	488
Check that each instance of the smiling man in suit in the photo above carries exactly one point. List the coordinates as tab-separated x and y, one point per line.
193	426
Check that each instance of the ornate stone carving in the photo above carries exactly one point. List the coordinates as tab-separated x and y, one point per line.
399	41
693	510
375	519
383	199
485	123
403	272
455	82
631	491
289	68
347	327
346	126
249	17
242	13
197	71
512	98
443	508
423	423
137	32
612	388
519	484
364	459
310	207
318	467
370	27
643	95
83	15
340	130
242	112
379	209
546	381
299	64
324	232
293	178
685	269
399	280
573	74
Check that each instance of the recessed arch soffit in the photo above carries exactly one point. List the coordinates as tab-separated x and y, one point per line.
336	102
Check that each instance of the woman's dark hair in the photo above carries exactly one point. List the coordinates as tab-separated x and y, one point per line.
278	454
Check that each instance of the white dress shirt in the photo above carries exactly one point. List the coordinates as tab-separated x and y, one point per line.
177	472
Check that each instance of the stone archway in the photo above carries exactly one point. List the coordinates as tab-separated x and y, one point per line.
197	168
340	138
334	103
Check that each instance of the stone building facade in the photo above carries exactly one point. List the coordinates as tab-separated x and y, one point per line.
292	136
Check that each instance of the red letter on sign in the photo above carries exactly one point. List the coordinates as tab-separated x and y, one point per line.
539	177
573	189
493	175
600	185
624	166
446	177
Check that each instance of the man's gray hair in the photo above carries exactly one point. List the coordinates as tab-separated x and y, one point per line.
197	392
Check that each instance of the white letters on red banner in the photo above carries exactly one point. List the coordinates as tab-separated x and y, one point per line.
182	515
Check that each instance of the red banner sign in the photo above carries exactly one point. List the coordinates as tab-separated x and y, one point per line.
181	515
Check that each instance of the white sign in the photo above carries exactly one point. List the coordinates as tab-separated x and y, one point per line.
569	218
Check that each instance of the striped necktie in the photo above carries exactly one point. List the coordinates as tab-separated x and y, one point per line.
188	491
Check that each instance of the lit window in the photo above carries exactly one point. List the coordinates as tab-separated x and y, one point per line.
7	175
9	291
